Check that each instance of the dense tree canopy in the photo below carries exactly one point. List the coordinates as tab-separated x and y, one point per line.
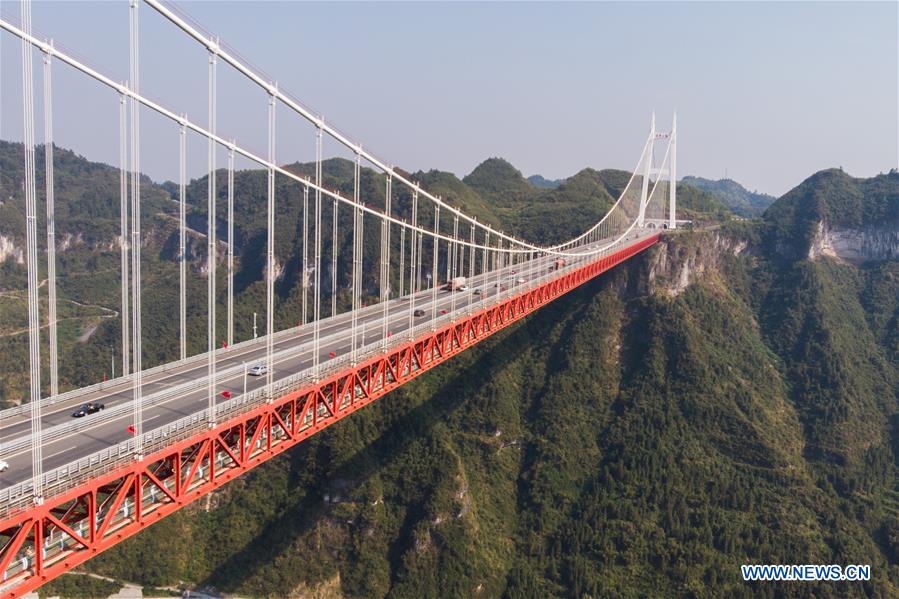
712	403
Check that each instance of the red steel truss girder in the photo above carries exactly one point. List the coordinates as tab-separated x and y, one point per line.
102	512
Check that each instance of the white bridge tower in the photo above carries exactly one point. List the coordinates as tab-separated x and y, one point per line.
668	169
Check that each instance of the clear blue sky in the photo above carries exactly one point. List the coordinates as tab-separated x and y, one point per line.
769	91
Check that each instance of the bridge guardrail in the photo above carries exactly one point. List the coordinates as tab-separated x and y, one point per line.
60	479
61	430
65	477
196	358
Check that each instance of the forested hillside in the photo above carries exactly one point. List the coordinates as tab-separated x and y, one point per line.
729	397
88	248
709	405
736	197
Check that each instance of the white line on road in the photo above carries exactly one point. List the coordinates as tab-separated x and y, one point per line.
299	354
60	452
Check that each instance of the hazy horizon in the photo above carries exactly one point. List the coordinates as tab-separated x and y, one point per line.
460	176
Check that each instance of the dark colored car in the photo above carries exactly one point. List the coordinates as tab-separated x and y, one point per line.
87	408
418	313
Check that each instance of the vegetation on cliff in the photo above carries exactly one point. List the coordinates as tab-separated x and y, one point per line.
709	404
834	198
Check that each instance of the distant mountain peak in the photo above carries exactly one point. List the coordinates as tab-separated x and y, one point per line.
497	176
736	197
544	183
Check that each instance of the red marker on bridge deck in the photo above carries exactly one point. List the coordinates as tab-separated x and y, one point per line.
332	354
389	333
130	429
226	394
443	311
224	344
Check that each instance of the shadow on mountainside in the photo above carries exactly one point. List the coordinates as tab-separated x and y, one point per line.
277	537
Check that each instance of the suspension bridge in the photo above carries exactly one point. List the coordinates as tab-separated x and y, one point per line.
175	432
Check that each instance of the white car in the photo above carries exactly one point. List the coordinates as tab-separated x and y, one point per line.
258	370
4	465
462	288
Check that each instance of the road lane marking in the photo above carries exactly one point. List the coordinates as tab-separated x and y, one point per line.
60	452
340	321
399	315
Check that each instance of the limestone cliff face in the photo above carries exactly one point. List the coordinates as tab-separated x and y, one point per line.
681	258
832	214
855	245
12	246
163	234
9	250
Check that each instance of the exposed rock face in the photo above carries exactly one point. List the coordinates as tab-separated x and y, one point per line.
69	241
680	259
114	245
308	274
195	245
855	245
278	268
197	253
65	242
9	250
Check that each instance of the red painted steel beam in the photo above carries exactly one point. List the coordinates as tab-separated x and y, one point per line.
139	494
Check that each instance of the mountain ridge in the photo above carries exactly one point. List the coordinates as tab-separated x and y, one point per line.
724	398
743	202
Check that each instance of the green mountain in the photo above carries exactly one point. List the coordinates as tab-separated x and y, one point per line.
831	201
749	204
459	194
543	183
700	206
707	405
558	213
499	181
692	203
87	239
729	397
